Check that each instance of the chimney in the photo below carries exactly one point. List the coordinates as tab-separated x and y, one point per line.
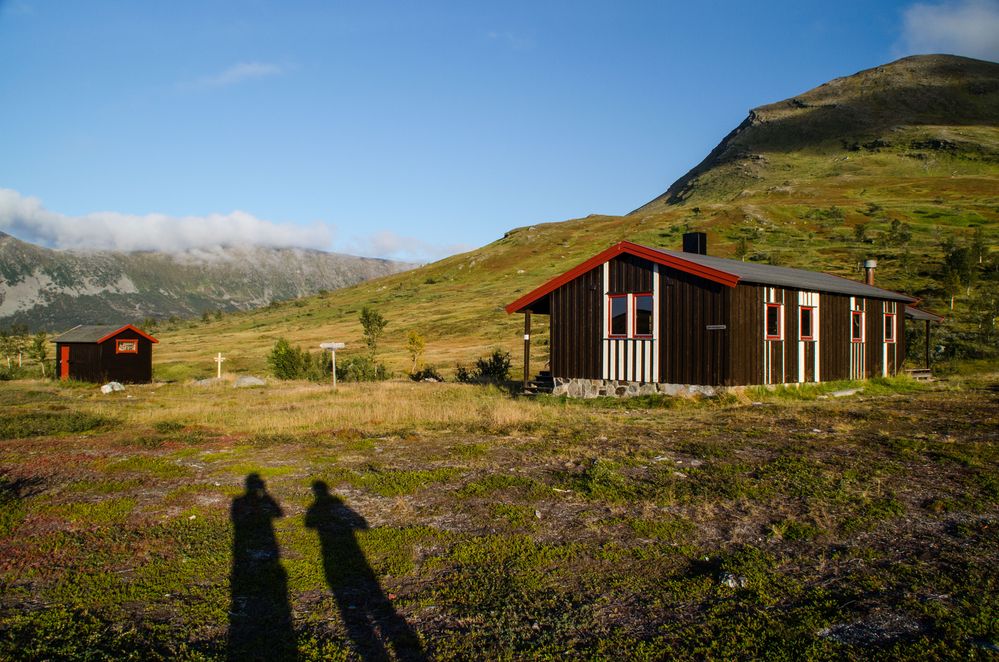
695	242
869	267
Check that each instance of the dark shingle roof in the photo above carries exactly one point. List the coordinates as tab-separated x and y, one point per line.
765	274
91	333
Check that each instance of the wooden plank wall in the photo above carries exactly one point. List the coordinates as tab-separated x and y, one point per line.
689	352
575	325
629	275
127	368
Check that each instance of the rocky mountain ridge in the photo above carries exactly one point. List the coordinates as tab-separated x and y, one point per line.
53	289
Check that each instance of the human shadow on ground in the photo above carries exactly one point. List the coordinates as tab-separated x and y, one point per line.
372	623
260	624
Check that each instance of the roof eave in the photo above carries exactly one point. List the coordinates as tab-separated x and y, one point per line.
623	247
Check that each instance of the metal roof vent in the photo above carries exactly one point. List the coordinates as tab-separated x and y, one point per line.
869	267
695	242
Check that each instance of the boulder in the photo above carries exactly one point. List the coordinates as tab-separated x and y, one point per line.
248	381
112	387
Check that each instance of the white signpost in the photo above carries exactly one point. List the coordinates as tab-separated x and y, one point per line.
332	347
219	359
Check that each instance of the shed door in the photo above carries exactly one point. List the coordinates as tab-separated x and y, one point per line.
64	362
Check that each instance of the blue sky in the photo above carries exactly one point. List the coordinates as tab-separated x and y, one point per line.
399	129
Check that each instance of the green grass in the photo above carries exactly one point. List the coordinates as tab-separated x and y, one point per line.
730	531
20	424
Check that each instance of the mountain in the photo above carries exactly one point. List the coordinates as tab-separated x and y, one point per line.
55	289
899	163
920	107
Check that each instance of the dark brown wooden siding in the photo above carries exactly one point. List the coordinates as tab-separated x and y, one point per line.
834	337
689	352
576	325
630	275
92	362
746	334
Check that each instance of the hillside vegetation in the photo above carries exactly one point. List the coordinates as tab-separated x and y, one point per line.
899	163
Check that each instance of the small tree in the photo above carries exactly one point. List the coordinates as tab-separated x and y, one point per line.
742	248
860	232
374	325
415	344
19	341
285	361
6	346
39	349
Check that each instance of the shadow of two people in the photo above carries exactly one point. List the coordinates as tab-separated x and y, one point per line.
260	618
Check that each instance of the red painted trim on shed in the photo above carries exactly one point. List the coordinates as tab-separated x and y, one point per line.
128	326
650	254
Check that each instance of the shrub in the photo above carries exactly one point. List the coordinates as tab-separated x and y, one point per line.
426	373
493	369
361	369
285	361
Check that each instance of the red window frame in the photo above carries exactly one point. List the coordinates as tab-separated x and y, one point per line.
780	319
811	322
634	315
118	343
854	314
891	326
610	316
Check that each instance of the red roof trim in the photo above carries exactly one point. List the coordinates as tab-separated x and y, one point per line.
650	254
128	326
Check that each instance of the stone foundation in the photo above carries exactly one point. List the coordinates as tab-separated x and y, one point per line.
595	388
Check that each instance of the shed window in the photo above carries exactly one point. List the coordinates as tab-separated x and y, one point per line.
857	326
618	315
643	315
889	327
806	330
773	322
126	346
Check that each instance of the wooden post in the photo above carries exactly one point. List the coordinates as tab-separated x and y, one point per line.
333	366
219	359
927	344
527	348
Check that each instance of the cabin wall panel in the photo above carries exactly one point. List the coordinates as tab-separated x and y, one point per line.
575	327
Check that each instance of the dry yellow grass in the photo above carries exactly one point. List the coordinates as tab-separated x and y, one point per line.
297	407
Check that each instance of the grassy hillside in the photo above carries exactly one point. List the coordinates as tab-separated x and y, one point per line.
892	163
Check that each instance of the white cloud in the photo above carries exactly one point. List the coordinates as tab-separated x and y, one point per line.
27	219
237	73
390	245
962	27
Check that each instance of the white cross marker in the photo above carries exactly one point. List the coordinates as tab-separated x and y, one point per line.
219	359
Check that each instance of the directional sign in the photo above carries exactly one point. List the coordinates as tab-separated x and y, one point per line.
332	347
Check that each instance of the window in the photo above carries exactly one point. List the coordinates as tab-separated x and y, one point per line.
857	326
889	327
773	321
643	315
618	327
806	328
126	346
630	315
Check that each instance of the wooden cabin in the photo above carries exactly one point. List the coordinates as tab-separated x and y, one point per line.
636	319
104	354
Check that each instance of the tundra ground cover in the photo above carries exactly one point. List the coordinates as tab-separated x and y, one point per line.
448	521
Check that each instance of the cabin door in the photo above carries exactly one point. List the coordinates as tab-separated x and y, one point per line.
64	362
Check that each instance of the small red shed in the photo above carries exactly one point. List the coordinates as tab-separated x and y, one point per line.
99	353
